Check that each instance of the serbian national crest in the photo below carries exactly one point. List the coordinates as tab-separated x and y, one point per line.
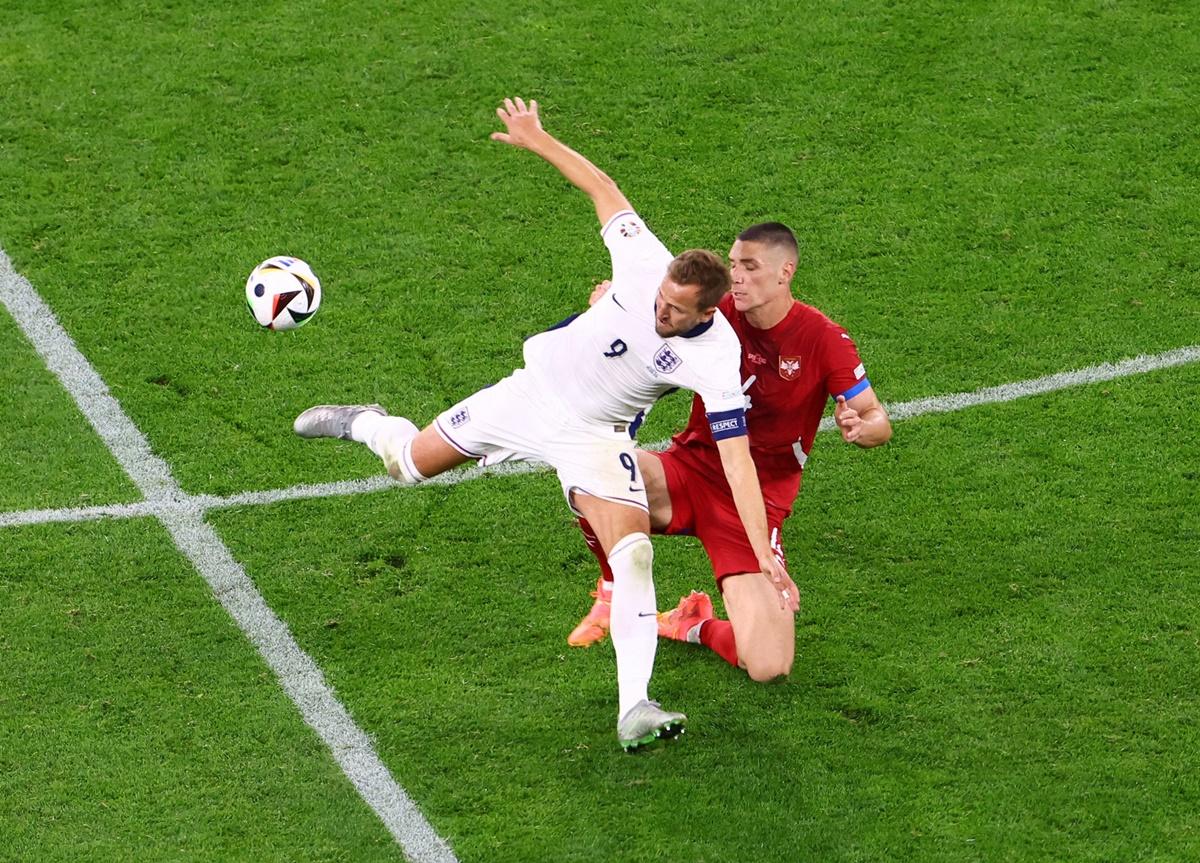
789	368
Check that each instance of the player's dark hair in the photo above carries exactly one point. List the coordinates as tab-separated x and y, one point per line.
705	270
774	234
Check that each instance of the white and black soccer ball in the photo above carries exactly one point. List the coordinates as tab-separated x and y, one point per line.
283	293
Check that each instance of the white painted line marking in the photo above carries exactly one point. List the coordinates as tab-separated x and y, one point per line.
899	411
184	519
81	513
1050	383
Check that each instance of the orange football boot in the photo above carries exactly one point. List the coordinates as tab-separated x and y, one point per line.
692	609
592	629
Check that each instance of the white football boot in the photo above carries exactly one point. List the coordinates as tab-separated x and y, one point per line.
331	420
645	722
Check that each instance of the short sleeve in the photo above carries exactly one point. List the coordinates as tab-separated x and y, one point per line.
639	259
845	374
720	390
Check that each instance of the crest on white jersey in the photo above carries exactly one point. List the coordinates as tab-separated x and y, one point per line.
666	360
789	368
460	418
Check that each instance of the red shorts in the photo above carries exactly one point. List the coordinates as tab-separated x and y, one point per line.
702	506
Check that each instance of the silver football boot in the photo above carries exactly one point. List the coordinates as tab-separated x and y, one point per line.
645	722
331	420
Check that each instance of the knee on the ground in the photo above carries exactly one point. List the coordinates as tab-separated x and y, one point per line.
767	669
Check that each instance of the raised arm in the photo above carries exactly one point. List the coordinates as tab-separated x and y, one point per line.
747	497
523	129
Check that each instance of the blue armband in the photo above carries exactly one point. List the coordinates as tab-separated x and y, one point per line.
727	424
856	389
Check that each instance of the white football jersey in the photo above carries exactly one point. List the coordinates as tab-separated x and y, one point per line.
608	364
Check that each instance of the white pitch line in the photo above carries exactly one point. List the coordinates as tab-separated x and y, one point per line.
183	517
902	410
79	513
1138	365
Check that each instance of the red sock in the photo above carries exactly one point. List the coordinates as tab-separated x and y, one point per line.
717	635
594	545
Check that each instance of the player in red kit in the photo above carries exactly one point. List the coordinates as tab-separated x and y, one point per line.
794	359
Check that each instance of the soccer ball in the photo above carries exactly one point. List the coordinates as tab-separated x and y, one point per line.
283	293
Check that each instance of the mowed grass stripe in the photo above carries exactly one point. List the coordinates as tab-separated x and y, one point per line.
298	674
136	723
50	460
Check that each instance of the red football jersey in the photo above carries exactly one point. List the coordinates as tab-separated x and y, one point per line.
797	366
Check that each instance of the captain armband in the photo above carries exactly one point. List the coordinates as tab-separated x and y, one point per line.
727	424
856	389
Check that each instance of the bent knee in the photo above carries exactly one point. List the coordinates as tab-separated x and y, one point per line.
765	671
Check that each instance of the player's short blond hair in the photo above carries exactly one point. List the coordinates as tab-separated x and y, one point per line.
703	269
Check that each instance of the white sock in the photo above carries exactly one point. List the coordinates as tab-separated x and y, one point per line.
378	431
390	438
633	618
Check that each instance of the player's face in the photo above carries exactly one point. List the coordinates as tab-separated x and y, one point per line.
677	309
760	274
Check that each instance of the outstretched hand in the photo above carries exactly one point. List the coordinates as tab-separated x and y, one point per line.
848	421
599	291
521	123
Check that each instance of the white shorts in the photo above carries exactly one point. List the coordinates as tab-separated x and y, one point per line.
515	418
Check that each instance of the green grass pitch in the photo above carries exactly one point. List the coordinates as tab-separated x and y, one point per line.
996	658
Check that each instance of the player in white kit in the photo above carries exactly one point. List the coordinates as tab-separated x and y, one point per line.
583	385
